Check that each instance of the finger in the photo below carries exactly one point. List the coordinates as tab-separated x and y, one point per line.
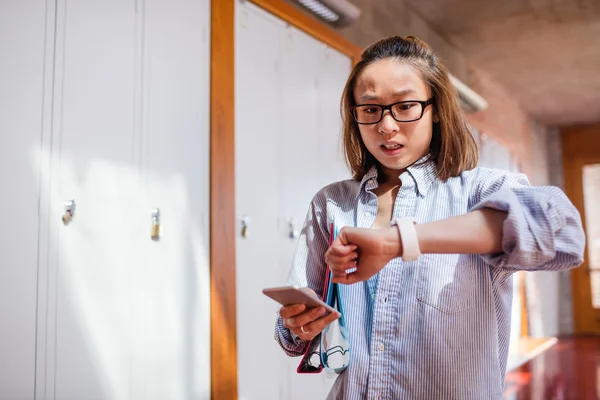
342	236
322	322
351	267
344	268
338	260
348	234
337	274
304	335
340	250
303	318
312	329
290	311
345	279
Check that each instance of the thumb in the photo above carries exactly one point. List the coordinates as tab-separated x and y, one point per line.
341	237
345	235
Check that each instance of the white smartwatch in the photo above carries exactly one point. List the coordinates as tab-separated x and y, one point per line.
408	237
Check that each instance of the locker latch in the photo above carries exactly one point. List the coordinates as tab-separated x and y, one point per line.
155	224
69	211
245	224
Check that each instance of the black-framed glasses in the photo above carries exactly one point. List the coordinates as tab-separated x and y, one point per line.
402	111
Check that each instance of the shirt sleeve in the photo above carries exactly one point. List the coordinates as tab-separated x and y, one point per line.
543	229
308	268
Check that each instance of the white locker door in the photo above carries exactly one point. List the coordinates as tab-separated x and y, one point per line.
313	80
95	165
287	147
258	158
330	82
22	41
172	278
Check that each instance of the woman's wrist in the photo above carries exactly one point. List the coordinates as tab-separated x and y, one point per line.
393	242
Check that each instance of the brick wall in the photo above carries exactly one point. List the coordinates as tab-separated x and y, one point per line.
505	121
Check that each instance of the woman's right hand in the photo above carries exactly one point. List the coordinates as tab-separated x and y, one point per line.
306	324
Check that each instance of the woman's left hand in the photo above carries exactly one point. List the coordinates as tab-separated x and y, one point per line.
366	250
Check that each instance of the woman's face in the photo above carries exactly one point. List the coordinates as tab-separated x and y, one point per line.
396	145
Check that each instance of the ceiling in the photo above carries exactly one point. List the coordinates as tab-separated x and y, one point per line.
545	52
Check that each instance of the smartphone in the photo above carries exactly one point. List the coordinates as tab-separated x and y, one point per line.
289	295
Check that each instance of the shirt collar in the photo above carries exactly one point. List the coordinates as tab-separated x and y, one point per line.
423	172
369	180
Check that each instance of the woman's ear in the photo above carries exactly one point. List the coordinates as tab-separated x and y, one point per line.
436	119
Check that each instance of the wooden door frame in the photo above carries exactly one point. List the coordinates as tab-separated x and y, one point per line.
223	330
580	145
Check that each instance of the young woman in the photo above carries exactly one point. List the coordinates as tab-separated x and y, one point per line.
432	239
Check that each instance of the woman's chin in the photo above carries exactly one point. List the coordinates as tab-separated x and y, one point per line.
399	164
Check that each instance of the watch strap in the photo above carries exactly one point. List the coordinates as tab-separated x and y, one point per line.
408	237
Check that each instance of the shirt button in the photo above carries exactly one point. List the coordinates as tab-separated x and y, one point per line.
367	214
381	347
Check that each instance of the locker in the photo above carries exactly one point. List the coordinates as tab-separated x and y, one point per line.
105	112
258	77
22	44
288	146
173	276
94	156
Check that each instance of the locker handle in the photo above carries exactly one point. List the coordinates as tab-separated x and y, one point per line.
155	224
69	212
293	232
245	226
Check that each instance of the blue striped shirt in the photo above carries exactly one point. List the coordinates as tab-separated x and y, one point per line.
437	327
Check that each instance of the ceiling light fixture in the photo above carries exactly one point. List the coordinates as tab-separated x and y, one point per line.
469	100
335	12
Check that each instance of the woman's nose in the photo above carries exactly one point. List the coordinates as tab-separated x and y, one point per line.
388	124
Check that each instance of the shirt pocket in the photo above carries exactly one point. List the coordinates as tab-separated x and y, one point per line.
447	282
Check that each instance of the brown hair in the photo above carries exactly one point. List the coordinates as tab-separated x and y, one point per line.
452	147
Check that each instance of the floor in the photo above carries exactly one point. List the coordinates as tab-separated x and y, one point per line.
527	349
570	369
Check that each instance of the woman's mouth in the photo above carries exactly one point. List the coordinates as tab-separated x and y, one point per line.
391	149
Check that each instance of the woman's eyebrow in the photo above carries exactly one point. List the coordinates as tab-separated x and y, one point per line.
368	96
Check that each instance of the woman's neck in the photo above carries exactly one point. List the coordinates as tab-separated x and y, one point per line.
388	176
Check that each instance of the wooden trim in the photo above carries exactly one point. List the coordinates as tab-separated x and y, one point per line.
573	136
574	190
523	299
294	16
223	330
580	146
